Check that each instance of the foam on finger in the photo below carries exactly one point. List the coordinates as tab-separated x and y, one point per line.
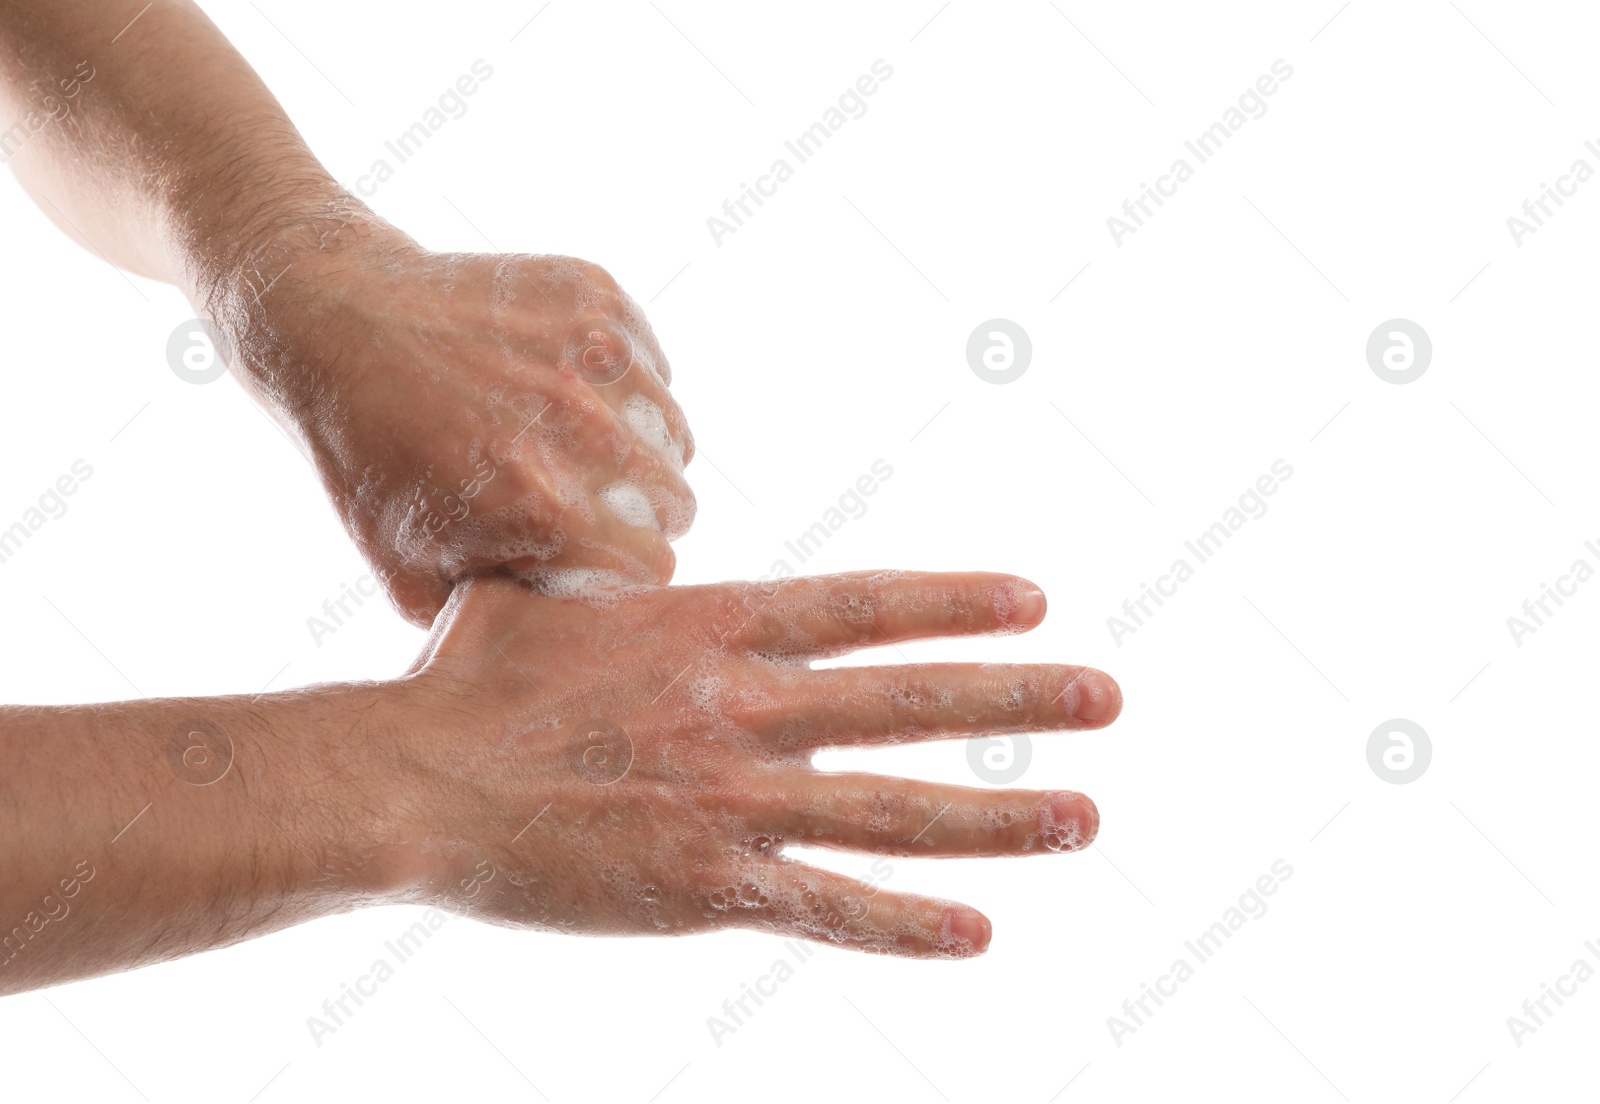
630	504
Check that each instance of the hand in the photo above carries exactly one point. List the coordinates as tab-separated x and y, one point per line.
629	762
465	412
635	764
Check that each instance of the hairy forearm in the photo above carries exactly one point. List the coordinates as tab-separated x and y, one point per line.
141	831
161	150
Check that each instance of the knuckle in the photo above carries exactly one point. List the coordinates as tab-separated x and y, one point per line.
598	350
574	519
730	613
528	489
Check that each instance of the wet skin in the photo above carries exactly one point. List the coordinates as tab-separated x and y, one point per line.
630	762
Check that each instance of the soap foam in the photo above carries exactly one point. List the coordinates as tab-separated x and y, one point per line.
631	505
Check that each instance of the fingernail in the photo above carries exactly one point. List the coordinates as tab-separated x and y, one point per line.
970	928
1070	821
1098	698
1021	604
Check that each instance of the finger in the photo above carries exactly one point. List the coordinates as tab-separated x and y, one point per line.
846	706
600	549
656	421
633	317
591	564
639	326
819	905
638	555
591	451
643	402
899	816
555	537
611	552
622	371
646	479
839	613
612	514
650	411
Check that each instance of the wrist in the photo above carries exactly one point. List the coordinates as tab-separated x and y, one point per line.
429	822
326	770
284	285
219	206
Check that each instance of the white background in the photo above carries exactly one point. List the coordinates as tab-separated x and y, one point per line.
830	332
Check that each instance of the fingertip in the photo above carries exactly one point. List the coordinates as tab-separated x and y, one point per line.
1096	698
969	932
1070	821
665	562
1091	822
1020	603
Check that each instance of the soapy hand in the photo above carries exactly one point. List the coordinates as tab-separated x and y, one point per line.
465	412
635	763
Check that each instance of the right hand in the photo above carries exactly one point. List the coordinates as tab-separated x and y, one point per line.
466	412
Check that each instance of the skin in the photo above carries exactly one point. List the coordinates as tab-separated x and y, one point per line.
496	434
630	762
465	412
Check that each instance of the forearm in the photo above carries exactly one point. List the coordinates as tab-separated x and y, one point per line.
172	158
141	831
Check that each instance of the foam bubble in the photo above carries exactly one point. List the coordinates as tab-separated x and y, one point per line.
575	582
1062	833
649	425
630	504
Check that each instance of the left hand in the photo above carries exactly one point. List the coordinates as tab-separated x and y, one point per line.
637	765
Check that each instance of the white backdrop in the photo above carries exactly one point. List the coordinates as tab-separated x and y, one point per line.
1171	368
